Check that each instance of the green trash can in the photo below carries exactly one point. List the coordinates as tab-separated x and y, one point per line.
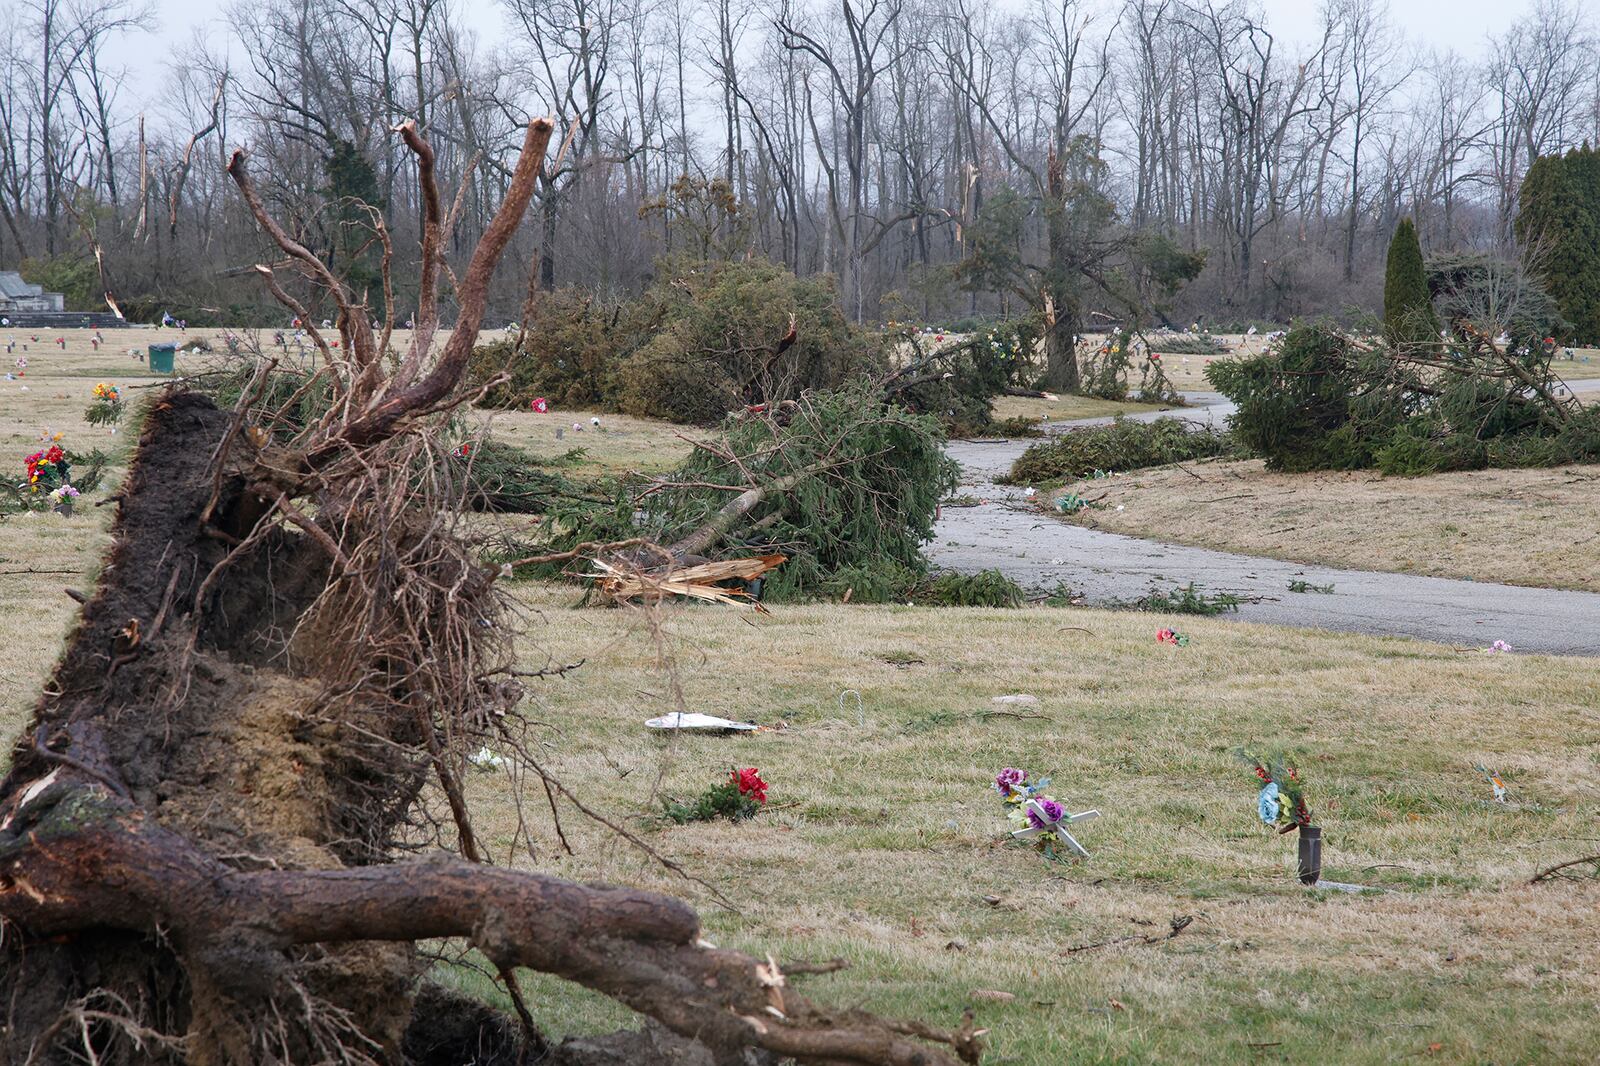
161	357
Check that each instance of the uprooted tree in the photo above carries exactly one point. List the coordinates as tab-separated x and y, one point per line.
268	700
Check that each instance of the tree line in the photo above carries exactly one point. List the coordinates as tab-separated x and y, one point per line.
940	158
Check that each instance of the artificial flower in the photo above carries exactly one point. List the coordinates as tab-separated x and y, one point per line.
1267	803
1053	813
1010	781
750	783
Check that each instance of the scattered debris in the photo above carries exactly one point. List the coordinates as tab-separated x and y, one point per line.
1183	599
706	722
484	759
700	582
1071	503
1178	925
1560	870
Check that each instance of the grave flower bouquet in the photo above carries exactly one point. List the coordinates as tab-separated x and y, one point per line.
1281	801
1006	343
1016	789
62	498
741	796
48	469
108	406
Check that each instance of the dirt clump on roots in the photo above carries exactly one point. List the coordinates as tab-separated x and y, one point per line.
242	757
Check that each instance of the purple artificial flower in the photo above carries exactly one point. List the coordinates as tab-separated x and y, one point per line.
1053	811
1009	780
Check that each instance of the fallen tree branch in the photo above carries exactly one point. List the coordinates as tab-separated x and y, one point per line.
1179	924
1552	872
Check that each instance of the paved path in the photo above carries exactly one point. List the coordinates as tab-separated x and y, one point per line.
1038	550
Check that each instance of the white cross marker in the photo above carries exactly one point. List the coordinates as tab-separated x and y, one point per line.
1058	827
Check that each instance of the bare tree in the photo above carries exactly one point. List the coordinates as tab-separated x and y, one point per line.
1536	71
850	70
1259	98
1071	81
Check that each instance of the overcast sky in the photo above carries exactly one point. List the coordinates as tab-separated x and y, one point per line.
1461	25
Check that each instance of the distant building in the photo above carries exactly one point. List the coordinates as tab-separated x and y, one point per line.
17	296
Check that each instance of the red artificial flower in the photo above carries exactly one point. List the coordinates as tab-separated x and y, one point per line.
750	783
43	458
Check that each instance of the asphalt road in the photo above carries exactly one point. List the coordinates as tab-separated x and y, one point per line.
1038	550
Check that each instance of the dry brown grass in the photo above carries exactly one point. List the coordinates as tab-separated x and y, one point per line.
51	398
1521	527
1065	408
618	445
883	838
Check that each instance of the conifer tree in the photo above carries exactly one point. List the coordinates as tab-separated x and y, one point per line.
1408	316
1558	224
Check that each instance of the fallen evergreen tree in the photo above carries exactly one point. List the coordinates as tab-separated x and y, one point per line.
1323	400
1123	445
958	380
832	480
705	339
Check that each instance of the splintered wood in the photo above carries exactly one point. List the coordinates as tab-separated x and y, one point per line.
704	581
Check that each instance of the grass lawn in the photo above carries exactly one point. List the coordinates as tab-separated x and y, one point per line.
883	838
1065	408
1522	527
